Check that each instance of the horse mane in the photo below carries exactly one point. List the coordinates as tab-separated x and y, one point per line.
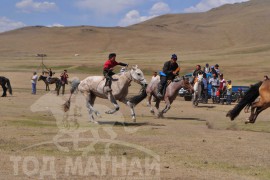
249	97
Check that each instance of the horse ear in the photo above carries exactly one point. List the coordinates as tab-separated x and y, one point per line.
134	67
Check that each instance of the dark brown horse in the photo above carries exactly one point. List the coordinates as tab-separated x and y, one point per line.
5	83
53	80
251	99
169	96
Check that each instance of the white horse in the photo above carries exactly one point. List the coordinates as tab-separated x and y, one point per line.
197	90
94	86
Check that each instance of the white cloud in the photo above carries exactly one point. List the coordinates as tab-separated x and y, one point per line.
134	17
107	6
56	25
7	24
206	5
159	8
30	6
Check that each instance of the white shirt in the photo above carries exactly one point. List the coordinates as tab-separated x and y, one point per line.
34	79
155	78
214	82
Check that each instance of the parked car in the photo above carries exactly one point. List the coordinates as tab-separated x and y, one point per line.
237	91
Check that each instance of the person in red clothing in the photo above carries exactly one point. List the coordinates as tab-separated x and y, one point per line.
108	69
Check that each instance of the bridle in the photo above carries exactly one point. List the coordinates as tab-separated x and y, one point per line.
130	78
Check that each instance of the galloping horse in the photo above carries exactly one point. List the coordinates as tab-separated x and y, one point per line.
5	83
53	80
261	89
170	94
94	86
197	90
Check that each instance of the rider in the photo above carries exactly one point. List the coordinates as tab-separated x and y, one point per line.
50	73
108	69
197	71
170	70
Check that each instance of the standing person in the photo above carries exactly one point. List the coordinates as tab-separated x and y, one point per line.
108	69
169	71
215	85
64	80
217	69
207	68
155	76
222	84
205	89
229	92
34	83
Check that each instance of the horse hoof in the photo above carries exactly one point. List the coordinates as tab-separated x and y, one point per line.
134	119
108	112
152	112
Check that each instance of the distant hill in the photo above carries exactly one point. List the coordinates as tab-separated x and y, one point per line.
238	25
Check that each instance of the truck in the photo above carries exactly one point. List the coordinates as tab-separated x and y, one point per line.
237	91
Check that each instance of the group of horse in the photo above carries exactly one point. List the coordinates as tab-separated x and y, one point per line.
94	86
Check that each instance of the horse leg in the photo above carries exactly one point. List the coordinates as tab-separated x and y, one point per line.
149	103
256	108
63	88
195	99
4	90
159	115
168	105
58	87
113	101
131	106
92	101
89	107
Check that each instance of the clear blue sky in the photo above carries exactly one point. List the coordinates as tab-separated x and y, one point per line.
106	13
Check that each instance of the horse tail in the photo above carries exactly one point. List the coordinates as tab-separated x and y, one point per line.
74	85
9	86
249	97
138	98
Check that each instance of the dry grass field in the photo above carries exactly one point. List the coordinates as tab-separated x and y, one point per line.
189	143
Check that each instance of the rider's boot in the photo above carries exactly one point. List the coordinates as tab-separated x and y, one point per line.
160	94
108	85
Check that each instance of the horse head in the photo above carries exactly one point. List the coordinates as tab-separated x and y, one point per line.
41	77
200	77
187	85
137	75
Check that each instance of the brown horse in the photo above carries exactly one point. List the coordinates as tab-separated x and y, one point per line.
53	80
169	96
251	99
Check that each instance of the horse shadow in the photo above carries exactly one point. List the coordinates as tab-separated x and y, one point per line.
117	123
205	106
184	119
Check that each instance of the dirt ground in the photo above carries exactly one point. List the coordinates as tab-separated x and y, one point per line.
189	143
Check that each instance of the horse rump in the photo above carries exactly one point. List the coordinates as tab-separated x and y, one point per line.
9	86
249	97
